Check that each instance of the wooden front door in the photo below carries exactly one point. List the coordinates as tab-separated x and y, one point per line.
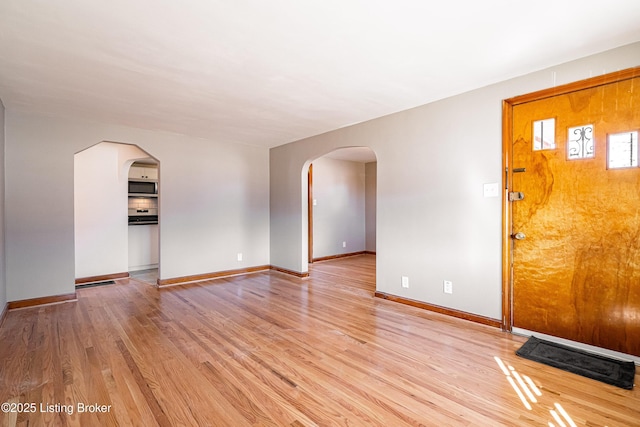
575	214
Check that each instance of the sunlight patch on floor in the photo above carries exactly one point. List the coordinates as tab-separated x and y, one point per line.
528	392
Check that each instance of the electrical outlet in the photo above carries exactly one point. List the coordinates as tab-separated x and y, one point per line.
405	282
448	287
344	244
239	256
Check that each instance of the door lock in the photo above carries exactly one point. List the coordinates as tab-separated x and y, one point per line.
514	196
519	236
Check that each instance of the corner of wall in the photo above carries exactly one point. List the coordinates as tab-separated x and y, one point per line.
3	277
371	185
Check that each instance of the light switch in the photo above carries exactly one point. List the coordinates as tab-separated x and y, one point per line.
492	189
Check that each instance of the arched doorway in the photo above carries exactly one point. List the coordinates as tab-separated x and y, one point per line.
341	204
101	210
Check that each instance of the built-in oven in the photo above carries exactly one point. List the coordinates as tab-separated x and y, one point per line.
143	219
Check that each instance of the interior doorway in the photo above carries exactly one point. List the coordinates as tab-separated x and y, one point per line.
101	210
143	190
341	204
571	235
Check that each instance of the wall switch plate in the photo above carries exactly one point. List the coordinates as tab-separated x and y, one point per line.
405	282
448	287
239	256
315	202
491	190
344	244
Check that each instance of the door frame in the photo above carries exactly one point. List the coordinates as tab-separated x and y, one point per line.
310	214
507	167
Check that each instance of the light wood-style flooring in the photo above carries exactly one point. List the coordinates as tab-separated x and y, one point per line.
269	349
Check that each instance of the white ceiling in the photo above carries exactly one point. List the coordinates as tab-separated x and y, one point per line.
269	72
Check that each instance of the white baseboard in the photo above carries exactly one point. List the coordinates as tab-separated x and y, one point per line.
593	349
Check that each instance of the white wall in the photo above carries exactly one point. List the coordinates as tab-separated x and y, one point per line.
100	208
339	213
143	247
214	201
371	188
433	222
3	283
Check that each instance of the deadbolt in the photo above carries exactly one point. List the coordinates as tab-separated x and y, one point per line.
519	236
515	196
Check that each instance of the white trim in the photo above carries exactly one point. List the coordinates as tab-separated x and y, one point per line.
598	350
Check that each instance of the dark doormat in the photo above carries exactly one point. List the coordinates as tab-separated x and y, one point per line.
94	284
594	366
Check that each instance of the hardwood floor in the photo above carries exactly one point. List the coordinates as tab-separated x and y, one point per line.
274	350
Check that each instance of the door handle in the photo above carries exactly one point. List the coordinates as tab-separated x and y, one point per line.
518	236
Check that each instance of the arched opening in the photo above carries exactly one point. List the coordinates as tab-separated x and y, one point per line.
341	204
107	245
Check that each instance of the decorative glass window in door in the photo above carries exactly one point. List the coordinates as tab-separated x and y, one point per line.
544	134
580	142
623	150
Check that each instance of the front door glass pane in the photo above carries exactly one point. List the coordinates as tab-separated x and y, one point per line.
544	134
580	142
623	150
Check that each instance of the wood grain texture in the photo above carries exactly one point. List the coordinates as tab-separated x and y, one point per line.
271	349
330	257
290	272
102	278
32	302
3	313
507	220
577	273
579	85
209	276
443	310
